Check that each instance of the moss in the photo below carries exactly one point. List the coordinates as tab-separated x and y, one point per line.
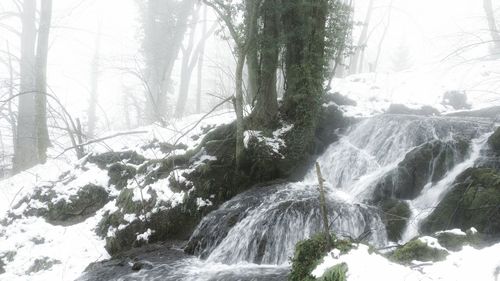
396	217
452	242
474	201
417	250
308	254
119	174
103	160
335	273
494	141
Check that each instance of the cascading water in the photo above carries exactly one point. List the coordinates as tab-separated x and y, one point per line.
252	236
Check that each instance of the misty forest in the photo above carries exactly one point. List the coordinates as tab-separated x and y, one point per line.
250	140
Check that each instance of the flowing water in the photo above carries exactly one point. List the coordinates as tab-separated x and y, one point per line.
252	236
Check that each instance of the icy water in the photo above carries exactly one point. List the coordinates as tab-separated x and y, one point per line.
252	236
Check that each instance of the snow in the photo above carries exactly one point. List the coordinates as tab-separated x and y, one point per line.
455	231
275	143
432	242
426	85
145	236
468	264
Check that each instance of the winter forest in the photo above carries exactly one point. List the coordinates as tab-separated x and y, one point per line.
250	140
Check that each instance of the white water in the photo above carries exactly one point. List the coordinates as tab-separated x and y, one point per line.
432	194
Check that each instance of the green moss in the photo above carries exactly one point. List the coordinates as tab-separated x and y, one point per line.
335	273
473	202
308	255
452	242
396	217
417	250
494	141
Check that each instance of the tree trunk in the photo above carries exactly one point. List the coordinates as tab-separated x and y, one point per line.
322	207
165	24
374	66
355	66
200	64
188	64
42	133
94	84
26	155
265	111
492	25
238	106
253	64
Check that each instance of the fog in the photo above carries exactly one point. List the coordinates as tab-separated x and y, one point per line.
425	32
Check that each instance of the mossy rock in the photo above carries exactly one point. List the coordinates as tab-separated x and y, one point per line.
308	255
396	215
79	207
119	174
494	141
104	160
335	273
403	109
417	250
40	264
474	201
452	241
427	163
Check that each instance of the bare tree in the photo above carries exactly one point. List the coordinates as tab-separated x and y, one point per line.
355	65
492	25
94	84
26	154
42	133
201	63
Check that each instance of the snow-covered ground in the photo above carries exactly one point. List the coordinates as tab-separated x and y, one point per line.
468	264
375	92
57	252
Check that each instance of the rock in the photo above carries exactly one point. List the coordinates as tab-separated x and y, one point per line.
456	99
104	160
494	141
454	240
40	264
119	174
327	131
141	265
426	163
417	250
403	109
396	217
339	99
473	201
488	112
79	207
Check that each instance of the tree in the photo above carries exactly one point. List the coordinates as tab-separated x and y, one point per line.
355	65
94	83
26	154
164	25
226	13
492	25
190	58
42	133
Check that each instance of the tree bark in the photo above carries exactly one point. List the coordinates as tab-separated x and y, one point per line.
26	155
265	111
322	207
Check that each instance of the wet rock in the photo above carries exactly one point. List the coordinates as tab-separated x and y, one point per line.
494	141
40	264
403	109
456	99
139	265
426	163
331	122
396	215
474	201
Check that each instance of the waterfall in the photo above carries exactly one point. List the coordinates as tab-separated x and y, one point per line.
263	225
411	159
